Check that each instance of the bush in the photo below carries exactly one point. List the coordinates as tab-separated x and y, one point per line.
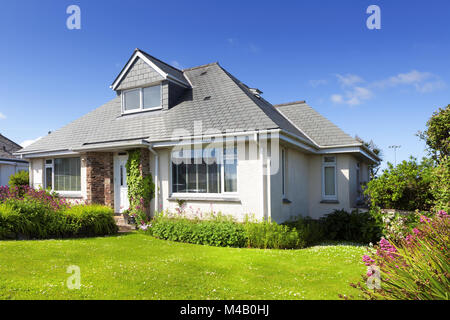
30	218
19	179
310	230
270	235
417	268
222	231
41	215
404	187
91	220
355	226
217	232
440	185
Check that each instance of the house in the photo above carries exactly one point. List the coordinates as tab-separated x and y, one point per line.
207	139
9	163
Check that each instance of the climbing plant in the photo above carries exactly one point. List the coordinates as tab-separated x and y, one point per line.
140	189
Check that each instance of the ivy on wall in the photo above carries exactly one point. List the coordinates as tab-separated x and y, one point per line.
141	189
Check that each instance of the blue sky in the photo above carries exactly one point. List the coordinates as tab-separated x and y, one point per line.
379	84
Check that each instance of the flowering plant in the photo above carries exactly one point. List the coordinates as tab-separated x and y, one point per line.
415	267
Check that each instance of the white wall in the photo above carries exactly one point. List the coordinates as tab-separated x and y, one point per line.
249	186
37	173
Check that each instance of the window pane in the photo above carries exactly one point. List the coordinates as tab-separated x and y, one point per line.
329	181
230	170
67	174
48	178
131	100
213	178
201	174
152	97
180	182
191	177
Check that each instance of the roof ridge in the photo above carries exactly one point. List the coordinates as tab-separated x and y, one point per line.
290	103
153	57
201	66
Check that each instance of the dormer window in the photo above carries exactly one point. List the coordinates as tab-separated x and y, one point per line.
142	99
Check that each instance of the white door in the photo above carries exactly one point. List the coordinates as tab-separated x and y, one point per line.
121	202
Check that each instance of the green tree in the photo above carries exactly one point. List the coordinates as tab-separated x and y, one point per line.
437	134
404	187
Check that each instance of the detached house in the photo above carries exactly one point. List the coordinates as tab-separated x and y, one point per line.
280	160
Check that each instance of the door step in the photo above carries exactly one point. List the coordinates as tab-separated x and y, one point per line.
123	226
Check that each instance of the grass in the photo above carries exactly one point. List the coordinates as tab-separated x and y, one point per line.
138	266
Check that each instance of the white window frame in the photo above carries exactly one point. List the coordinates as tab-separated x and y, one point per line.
141	99
206	194
326	165
358	182
52	165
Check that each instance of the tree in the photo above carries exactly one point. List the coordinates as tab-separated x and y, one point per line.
404	187
437	134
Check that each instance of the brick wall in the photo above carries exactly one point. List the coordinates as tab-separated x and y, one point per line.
100	178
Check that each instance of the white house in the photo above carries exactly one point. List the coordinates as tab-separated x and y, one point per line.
280	160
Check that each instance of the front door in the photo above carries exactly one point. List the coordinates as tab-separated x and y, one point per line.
121	202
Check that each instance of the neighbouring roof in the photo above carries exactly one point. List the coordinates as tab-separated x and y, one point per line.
7	148
231	107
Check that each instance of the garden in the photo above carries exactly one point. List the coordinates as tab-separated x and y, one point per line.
373	254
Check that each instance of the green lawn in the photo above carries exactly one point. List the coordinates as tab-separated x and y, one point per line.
137	266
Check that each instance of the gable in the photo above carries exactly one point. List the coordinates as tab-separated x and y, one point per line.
139	74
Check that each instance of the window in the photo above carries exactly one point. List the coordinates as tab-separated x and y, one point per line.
202	172
141	99
283	172
329	178
63	174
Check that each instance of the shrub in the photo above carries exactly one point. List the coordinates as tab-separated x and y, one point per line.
216	232
440	185
91	220
310	230
19	179
223	231
40	215
404	187
415	268
31	218
270	235
355	226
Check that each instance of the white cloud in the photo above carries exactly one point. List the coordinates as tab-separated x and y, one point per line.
348	80
337	98
316	83
352	97
422	81
2	116
26	143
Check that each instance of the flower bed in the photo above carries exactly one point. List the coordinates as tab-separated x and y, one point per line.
26	213
413	267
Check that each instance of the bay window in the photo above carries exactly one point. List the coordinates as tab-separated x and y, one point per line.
204	171
63	174
142	99
329	178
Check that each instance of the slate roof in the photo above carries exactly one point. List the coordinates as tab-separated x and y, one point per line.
7	148
231	107
315	126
